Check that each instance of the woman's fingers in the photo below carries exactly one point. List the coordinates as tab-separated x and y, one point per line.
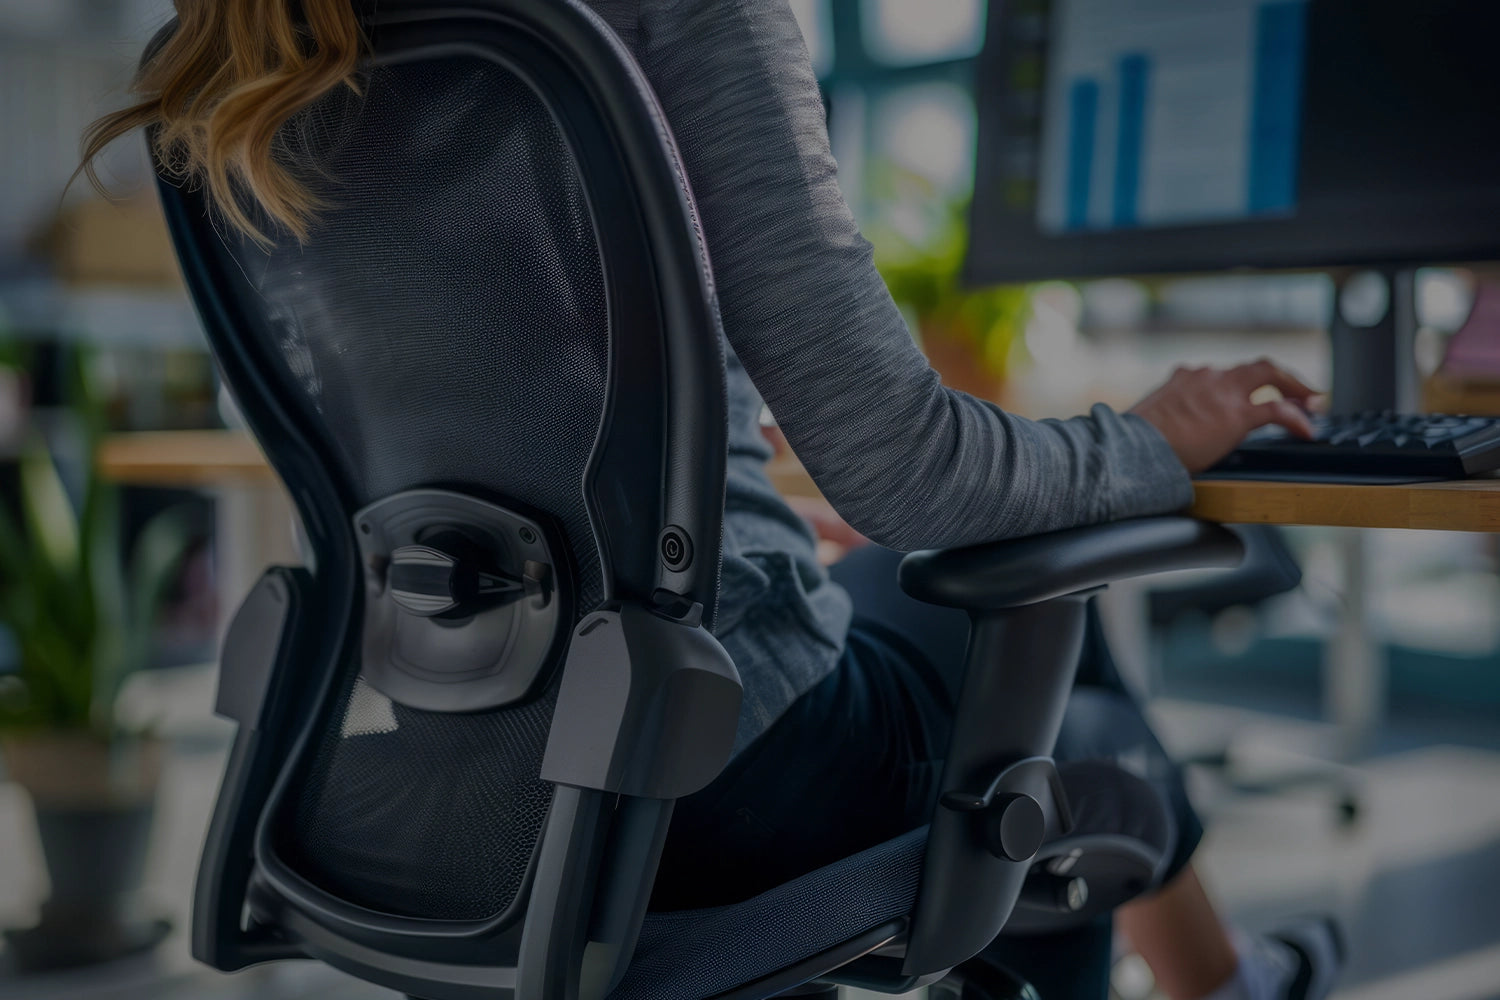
1252	376
1283	413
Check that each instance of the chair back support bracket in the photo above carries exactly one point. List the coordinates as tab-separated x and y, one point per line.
648	706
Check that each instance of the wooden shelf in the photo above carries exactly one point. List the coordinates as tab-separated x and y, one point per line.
184	459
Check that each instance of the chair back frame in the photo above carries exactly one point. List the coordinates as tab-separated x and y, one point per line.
571	927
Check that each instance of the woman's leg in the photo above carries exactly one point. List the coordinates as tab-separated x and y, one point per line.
1178	933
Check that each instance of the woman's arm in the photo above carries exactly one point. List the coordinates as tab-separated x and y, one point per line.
905	460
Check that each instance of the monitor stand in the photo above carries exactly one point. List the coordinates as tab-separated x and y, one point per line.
1372	336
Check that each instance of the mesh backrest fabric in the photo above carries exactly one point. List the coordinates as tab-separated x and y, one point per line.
460	789
447	322
446	325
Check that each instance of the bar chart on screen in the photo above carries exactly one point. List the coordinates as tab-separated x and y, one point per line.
1170	112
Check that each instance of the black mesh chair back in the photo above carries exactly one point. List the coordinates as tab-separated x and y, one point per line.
492	381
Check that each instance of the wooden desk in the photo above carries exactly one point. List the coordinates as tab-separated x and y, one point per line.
1465	505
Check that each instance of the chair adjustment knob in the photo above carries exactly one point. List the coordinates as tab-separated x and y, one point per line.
433	580
1057	893
1014	826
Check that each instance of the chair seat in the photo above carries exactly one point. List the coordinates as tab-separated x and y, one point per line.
1120	825
692	954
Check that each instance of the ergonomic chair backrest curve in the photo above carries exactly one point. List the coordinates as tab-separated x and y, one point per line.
493	383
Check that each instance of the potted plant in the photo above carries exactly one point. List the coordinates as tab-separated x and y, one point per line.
79	615
968	334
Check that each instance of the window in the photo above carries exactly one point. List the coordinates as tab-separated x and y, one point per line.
898	76
910	32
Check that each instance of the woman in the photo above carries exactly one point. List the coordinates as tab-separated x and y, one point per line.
847	682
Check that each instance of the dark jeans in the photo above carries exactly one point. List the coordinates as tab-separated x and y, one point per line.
857	760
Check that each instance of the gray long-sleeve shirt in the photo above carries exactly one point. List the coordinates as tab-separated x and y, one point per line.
812	328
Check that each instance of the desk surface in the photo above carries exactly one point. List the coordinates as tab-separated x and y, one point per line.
1464	505
230	458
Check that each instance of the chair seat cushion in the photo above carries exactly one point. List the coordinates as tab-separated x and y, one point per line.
693	954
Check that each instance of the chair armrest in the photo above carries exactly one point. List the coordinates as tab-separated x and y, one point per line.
1026	600
1014	573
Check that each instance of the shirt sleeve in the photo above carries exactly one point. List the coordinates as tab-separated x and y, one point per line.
906	460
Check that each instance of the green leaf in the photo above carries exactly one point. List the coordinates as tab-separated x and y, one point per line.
14	555
154	562
49	513
81	617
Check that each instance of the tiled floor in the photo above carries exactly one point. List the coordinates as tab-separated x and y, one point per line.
1417	880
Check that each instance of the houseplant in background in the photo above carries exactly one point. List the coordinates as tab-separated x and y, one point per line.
79	615
969	334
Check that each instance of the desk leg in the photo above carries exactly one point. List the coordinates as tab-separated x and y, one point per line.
1354	664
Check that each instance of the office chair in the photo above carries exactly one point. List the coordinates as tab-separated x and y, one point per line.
1268	569
493	384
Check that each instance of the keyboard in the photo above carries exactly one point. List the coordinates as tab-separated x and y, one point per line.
1384	444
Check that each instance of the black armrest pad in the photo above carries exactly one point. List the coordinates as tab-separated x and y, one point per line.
1038	568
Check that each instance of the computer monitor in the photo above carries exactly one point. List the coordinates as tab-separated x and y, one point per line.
1166	136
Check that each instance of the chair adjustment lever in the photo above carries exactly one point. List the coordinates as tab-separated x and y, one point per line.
433	580
1015	820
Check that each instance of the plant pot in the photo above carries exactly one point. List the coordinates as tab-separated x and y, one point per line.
94	804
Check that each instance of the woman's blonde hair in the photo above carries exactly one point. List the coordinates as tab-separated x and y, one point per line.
219	90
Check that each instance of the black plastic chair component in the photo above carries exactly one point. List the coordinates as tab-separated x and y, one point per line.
462	728
1001	798
1269	570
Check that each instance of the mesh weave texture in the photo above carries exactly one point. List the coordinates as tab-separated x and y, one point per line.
446	325
461	789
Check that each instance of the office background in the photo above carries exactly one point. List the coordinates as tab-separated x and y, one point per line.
1396	827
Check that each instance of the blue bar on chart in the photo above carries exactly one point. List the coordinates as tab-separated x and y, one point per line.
1083	115
1135	73
1276	105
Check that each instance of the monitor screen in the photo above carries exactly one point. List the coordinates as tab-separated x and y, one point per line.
1147	136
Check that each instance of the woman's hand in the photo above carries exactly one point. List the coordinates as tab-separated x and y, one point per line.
1205	412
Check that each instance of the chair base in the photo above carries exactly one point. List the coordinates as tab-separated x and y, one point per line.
1344	794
